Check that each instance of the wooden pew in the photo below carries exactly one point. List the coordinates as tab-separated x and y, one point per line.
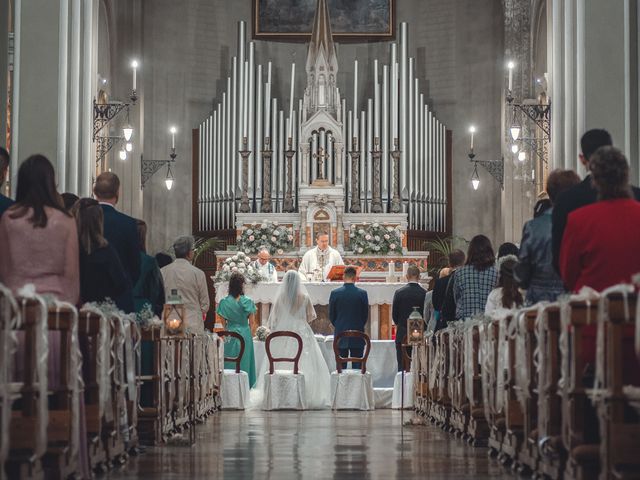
421	357
526	389
152	414
131	354
552	455
494	415
478	428
579	420
441	399
10	320
460	409
94	338
619	422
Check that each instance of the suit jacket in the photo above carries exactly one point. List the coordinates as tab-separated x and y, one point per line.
349	310
409	296
577	196
121	232
5	202
102	276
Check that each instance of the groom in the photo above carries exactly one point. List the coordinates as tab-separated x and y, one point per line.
349	310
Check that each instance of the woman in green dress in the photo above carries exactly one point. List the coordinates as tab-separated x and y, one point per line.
235	308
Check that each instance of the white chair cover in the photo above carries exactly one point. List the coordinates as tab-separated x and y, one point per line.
234	389
396	401
284	390
383	397
352	390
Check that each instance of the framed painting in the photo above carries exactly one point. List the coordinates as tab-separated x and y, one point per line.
361	20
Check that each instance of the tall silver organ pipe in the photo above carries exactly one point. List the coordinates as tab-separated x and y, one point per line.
248	108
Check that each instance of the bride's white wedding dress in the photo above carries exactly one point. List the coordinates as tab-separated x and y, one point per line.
292	311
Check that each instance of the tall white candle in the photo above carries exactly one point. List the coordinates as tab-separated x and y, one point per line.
267	104
472	130
173	137
293	79
134	65
245	104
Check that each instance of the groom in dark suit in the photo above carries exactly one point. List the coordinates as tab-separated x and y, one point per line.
349	310
409	296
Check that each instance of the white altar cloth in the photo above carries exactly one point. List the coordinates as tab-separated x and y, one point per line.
381	363
379	293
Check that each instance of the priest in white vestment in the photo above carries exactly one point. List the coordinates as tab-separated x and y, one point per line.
264	266
317	262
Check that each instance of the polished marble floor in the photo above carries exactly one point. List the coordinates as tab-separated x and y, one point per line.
314	445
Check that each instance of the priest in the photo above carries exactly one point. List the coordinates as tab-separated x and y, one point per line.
317	262
264	266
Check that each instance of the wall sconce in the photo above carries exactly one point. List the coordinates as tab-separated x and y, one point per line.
150	167
494	167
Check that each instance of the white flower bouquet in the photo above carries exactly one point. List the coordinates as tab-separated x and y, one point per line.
238	263
262	333
375	239
277	238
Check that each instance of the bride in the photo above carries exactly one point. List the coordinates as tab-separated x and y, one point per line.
292	311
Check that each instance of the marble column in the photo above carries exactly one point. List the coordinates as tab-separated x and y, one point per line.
54	81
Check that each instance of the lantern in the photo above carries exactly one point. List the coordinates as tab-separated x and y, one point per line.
174	314
415	327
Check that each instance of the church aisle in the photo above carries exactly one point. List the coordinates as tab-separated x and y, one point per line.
314	445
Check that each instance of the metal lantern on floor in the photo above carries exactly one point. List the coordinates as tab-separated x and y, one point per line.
174	315
415	328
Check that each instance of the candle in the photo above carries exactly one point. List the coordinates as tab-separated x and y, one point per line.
510	65
392	268
405	267
245	104
134	65
267	104
173	137
293	78
472	130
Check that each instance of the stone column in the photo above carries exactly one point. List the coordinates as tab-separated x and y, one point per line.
54	81
304	171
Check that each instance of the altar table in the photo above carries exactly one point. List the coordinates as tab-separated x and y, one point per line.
380	299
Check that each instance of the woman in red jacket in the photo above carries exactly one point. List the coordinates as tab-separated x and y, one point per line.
600	243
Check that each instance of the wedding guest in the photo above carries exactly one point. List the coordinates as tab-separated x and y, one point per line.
540	207
407	297
5	202
235	308
535	271
443	301
473	282
580	195
163	259
507	294
149	289
190	282
600	242
264	266
121	232
69	200
507	248
38	237
349	310
102	276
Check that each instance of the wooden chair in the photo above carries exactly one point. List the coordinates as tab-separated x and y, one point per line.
352	389
284	389
404	380
235	383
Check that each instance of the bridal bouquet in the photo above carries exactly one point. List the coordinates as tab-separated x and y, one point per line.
262	333
239	263
375	239
277	238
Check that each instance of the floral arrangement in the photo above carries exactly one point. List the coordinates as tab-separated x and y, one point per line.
262	333
375	239
239	263
277	238
145	318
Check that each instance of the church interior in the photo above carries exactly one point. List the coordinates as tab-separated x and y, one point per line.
203	200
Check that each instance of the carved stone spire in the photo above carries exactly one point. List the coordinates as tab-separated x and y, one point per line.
321	92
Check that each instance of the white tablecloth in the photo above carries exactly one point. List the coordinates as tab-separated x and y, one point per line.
381	362
379	293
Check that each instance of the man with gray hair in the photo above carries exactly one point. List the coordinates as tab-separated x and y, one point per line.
5	202
190	282
264	266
